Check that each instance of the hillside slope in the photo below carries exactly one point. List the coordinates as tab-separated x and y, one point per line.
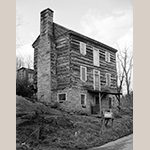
39	127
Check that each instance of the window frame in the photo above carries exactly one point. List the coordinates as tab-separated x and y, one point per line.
61	101
84	99
83	49
81	73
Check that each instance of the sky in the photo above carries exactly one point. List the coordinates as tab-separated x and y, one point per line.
108	21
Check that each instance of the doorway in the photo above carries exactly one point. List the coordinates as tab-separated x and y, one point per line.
96	106
96	100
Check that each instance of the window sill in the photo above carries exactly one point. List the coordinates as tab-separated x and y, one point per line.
84	106
61	101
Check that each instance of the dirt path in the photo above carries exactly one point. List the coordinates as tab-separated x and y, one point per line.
125	143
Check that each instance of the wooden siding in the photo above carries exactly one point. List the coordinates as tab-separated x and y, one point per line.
77	60
63	62
59	30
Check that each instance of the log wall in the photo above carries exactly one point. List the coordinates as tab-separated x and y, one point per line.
77	60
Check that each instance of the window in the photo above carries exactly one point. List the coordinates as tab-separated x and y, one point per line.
82	48
96	57
83	99
108	79
107	56
83	73
96	77
62	97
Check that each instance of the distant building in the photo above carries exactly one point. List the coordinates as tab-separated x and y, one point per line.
25	74
73	69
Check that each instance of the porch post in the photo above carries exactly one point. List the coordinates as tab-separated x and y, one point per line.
100	104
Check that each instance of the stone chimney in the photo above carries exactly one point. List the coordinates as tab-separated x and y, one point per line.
44	54
46	24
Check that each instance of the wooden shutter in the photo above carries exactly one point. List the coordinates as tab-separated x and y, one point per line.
83	75
96	79
96	57
82	48
108	57
108	79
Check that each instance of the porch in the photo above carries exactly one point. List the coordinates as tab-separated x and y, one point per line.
101	100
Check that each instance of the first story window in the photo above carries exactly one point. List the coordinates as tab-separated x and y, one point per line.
83	99
62	97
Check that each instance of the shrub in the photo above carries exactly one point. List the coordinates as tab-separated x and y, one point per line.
55	105
24	88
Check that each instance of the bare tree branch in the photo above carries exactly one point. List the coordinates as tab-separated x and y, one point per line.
125	60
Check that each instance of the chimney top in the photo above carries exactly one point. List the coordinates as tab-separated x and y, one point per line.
46	10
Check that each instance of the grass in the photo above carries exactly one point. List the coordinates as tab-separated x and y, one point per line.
63	131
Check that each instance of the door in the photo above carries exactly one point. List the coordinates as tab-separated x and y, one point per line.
96	100
96	107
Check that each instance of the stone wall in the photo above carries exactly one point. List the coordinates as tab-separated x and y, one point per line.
44	56
73	102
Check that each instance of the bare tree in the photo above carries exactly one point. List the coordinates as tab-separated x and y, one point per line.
125	63
29	61
18	24
120	75
19	62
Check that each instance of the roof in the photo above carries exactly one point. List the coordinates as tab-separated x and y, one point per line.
23	68
60	30
104	90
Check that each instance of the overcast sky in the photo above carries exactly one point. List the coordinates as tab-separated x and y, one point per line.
108	21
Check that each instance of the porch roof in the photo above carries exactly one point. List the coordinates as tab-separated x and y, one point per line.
105	91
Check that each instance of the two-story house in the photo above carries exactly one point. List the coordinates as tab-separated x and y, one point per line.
70	68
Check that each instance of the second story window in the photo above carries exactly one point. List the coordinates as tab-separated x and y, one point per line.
83	73
96	57
82	48
108	79
107	56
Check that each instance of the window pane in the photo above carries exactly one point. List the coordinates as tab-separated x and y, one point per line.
82	99
62	97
